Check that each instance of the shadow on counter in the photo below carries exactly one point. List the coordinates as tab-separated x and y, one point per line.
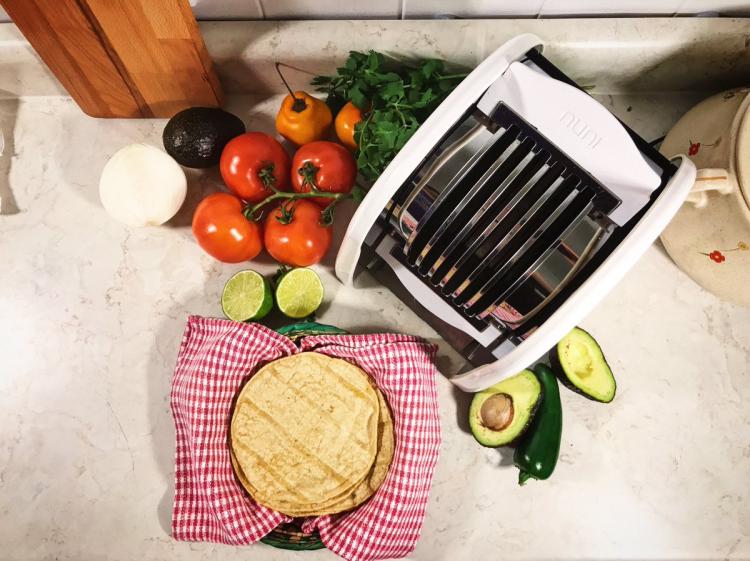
8	114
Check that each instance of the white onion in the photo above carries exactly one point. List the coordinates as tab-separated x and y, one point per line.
142	186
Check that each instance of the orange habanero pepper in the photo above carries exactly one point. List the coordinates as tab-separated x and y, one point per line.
303	118
346	120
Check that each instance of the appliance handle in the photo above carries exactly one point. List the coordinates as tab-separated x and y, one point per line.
706	181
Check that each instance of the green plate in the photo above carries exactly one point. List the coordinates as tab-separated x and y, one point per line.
289	535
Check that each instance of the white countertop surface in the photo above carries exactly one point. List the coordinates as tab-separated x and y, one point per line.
91	316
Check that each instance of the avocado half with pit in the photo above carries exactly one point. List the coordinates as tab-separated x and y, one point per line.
579	363
501	413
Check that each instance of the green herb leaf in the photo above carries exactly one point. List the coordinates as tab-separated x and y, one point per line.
358	98
425	99
430	66
392	90
353	61
358	194
374	61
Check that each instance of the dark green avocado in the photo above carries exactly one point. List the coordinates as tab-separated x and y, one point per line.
579	363
501	413
196	136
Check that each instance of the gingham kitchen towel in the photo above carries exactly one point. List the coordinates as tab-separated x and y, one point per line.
217	356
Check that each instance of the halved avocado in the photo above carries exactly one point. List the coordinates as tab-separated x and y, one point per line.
579	363
501	413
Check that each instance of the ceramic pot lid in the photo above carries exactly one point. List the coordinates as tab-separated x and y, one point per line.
742	151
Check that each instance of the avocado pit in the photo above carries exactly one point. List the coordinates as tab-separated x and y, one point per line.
501	413
497	411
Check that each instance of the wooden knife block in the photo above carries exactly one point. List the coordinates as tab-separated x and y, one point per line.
122	58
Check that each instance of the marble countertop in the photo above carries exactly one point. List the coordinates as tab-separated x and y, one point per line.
91	316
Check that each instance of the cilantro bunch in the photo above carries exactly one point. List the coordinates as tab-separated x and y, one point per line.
395	98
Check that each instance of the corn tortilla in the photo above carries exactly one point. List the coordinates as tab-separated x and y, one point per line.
304	431
361	492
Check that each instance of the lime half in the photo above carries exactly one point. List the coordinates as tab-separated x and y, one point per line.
299	293
246	297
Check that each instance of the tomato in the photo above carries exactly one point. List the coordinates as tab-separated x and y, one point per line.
329	165
346	119
223	231
250	158
303	241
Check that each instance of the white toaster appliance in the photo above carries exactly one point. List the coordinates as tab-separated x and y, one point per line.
512	211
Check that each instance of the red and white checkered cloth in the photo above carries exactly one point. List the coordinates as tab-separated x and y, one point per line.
217	356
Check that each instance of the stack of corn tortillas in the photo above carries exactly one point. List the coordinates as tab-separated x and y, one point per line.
311	435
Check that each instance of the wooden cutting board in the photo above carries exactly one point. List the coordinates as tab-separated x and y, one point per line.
122	58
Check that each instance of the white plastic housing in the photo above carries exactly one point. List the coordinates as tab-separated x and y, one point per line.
582	128
603	148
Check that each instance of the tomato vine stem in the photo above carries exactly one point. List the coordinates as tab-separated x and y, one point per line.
308	172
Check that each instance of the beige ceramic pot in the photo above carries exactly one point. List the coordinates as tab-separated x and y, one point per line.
709	238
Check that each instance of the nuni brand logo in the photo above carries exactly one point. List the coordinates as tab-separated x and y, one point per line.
580	129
